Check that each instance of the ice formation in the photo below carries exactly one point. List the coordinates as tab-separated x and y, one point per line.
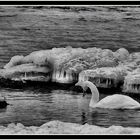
25	72
15	60
106	77
64	76
132	82
91	58
51	61
121	54
58	127
63	65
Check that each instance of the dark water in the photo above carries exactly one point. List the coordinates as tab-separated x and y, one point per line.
38	106
23	30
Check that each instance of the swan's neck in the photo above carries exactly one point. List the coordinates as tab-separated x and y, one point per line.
95	94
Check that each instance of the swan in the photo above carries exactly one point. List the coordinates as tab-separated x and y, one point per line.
116	101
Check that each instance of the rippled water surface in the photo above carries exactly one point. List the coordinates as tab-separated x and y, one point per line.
27	29
38	106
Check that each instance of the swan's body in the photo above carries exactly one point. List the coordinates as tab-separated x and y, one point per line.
116	101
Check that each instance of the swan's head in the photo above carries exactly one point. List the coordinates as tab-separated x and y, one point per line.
83	85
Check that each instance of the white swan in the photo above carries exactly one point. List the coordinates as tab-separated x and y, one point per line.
115	101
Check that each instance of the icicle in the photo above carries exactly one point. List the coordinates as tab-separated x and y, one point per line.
25	75
132	87
67	76
106	82
109	81
75	77
54	75
57	75
138	87
70	76
60	74
99	80
135	88
129	87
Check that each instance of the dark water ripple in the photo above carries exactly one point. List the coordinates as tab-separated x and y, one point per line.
38	106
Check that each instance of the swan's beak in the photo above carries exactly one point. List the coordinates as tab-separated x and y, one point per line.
77	84
84	93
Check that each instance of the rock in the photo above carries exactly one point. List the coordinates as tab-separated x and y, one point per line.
106	77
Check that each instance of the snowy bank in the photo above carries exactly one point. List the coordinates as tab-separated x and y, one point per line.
58	127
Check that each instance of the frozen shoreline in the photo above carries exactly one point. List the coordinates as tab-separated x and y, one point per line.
58	127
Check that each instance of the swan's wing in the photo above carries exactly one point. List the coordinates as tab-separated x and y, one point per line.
118	102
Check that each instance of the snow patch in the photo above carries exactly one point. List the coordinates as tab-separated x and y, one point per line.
58	127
